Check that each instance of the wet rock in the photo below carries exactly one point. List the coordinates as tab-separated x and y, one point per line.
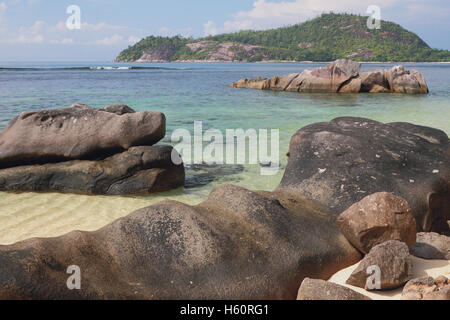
393	260
139	170
323	290
342	76
118	109
431	246
74	133
376	219
340	162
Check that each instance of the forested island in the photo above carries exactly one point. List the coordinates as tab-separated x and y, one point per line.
328	37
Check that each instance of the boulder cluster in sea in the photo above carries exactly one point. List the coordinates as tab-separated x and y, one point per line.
242	244
84	150
342	76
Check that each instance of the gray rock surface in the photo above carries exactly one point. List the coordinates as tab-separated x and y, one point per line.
393	260
431	246
340	162
323	290
74	133
342	76
139	170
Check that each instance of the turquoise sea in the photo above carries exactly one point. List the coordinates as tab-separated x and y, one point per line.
186	92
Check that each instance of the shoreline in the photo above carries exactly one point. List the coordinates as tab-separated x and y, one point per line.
276	61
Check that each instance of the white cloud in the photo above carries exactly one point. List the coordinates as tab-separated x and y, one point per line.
210	28
2	11
133	39
65	41
110	41
102	34
268	14
23	38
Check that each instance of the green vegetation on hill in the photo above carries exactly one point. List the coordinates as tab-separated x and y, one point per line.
328	37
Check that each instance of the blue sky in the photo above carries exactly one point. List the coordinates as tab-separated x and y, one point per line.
35	30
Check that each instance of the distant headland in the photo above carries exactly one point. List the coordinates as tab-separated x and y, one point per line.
326	38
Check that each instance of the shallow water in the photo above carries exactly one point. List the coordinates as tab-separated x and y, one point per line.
186	92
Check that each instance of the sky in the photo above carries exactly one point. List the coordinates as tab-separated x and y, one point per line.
36	30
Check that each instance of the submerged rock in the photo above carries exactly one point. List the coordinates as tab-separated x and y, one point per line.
139	170
376	219
77	132
394	263
340	162
324	290
342	76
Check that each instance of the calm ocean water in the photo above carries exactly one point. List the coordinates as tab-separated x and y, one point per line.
186	92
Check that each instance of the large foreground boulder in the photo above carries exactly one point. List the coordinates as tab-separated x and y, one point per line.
77	132
238	244
340	162
323	290
342	76
376	219
139	170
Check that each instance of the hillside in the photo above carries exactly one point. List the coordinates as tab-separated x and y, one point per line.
328	37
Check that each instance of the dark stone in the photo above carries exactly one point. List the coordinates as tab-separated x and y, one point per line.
392	257
118	109
74	133
238	244
324	290
139	170
340	162
432	246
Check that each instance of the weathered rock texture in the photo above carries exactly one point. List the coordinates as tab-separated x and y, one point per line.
376	219
427	288
135	171
323	290
432	246
342	76
84	150
393	260
340	162
77	132
238	244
